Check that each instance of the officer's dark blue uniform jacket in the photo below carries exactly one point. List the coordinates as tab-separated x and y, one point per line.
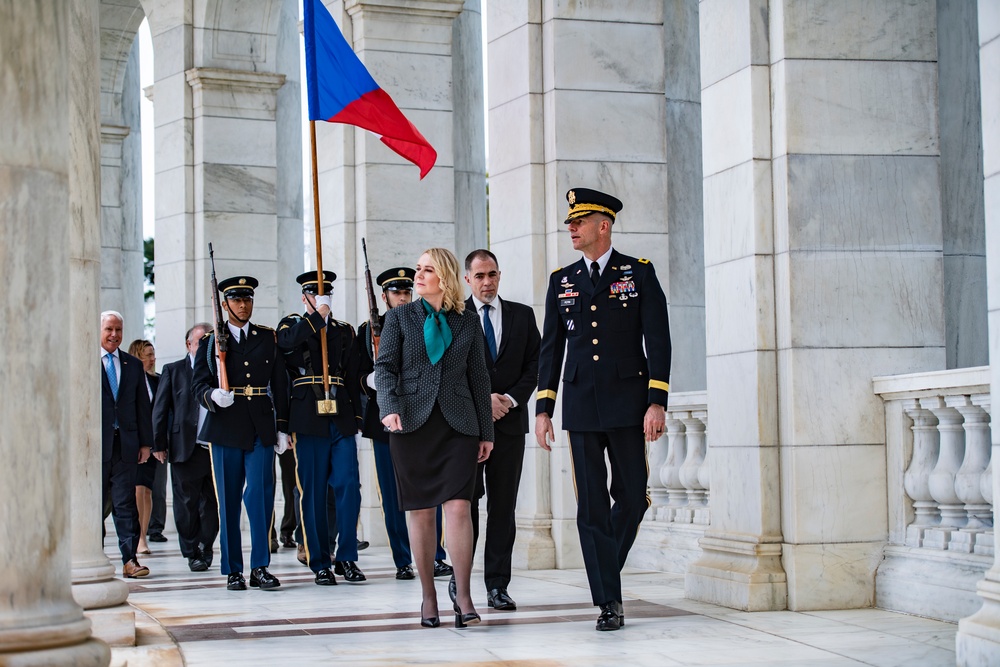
255	364
297	335
610	379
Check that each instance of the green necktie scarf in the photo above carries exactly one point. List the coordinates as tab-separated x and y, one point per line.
437	333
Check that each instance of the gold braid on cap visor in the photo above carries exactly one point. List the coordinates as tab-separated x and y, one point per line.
583	209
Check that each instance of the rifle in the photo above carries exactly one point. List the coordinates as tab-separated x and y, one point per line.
373	322
221	331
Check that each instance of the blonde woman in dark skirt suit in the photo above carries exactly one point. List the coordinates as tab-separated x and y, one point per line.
434	396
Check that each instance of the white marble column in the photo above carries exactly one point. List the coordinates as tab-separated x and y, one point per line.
40	624
95	587
978	640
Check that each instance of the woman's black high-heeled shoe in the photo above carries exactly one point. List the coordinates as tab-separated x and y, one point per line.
462	620
431	622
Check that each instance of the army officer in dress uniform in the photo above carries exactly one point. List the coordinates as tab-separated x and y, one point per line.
326	454
243	426
599	311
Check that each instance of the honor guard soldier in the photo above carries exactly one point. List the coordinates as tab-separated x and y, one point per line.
243	427
397	289
607	314
323	428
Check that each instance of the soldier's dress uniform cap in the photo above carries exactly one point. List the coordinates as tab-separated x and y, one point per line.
238	287
584	201
310	284
399	278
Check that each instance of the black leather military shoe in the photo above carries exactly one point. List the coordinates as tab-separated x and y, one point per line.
608	620
287	541
197	564
349	571
262	579
325	578
236	582
404	573
442	569
499	600
208	556
362	545
158	537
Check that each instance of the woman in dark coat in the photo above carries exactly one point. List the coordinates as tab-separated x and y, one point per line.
434	397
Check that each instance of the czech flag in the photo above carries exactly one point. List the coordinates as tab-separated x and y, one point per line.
341	90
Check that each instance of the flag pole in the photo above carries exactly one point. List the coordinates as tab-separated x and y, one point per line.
326	406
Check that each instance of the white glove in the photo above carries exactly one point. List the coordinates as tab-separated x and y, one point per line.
325	300
282	445
370	381
223	398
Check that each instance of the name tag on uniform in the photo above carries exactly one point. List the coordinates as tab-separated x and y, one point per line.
567	302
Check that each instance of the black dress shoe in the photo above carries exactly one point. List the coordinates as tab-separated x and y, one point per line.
262	579
362	545
404	573
349	571
159	537
442	569
609	620
287	541
325	578
197	564
429	622
208	556
453	589
499	600
236	582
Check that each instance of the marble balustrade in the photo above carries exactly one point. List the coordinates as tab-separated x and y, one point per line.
938	451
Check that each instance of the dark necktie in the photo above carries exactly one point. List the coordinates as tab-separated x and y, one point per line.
491	339
595	272
243	337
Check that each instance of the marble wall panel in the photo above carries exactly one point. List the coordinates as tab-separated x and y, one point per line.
111	226
741	293
111	273
743	387
222	99
646	246
831	576
172	99
632	129
989	22
991	197
833	493
238	141
237	188
738	212
745	495
414	81
966	333
681	50
514	64
857	107
217	47
854	30
248	235
610	11
842	299
394	192
166	14
989	65
834	202
516	203
421	35
733	36
519	272
736	120
505	17
825	394
687	339
174	135
174	193
603	57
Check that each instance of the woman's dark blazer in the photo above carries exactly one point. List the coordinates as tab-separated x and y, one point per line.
408	385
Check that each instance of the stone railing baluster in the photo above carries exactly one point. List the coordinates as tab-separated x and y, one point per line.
670	470
702	515
942	479
916	477
694	429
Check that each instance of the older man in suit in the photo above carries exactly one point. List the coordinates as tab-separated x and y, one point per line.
511	343
126	437
175	430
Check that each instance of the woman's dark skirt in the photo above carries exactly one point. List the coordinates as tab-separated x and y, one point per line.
433	464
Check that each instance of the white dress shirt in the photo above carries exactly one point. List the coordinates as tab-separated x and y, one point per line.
236	330
602	261
496	319
117	361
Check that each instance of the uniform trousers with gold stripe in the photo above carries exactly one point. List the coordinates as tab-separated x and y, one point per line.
250	474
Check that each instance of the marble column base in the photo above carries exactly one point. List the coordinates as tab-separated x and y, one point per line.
91	653
831	575
978	641
114	625
95	585
666	547
534	548
740	575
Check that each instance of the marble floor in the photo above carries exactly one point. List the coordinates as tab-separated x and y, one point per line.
186	618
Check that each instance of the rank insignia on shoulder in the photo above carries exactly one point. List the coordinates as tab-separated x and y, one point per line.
557	270
643	260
